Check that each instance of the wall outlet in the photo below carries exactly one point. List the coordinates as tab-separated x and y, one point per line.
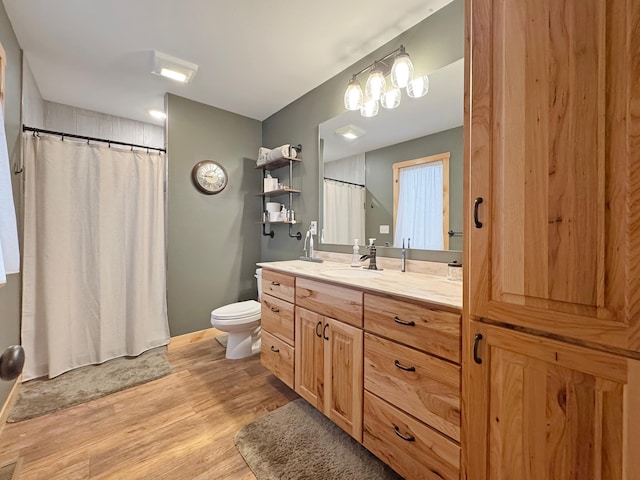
313	226
384	229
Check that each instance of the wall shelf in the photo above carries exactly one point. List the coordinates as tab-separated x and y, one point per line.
288	190
283	162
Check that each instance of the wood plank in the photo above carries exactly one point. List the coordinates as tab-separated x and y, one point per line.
193	337
183	428
8	403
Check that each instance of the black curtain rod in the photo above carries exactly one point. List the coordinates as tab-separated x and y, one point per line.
83	137
342	181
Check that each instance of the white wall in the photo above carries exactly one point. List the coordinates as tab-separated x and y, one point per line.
32	101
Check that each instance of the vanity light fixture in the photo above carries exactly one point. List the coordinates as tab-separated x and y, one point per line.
173	67
376	94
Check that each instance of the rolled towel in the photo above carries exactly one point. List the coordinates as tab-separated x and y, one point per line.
262	155
279	152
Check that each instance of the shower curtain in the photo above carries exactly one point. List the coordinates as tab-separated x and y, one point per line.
94	285
343	212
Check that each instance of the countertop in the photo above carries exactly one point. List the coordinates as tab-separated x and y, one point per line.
416	286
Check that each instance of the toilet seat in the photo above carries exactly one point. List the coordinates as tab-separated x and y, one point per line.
237	313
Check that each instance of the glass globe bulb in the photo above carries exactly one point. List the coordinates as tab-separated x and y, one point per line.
369	108
375	85
418	87
391	99
353	96
402	71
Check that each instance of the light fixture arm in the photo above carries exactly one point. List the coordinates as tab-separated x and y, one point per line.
397	51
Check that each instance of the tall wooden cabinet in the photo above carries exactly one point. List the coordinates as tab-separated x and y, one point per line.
552	239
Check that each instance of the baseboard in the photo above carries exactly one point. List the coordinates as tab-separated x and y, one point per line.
11	398
193	337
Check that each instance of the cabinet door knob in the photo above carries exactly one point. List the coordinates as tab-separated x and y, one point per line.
476	205
476	341
274	349
402	367
318	333
408	438
410	323
324	331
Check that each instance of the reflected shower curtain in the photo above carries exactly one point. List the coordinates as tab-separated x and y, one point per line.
343	212
94	285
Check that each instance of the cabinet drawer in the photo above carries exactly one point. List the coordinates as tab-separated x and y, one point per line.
279	285
434	331
425	454
277	317
333	301
277	356
428	390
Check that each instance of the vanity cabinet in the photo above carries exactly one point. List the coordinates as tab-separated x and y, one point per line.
552	244
412	382
277	322
328	353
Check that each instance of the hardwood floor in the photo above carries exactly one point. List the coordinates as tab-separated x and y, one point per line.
178	427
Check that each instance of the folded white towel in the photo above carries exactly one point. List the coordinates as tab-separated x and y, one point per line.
9	250
281	152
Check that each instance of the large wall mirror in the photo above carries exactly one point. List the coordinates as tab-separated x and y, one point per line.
422	142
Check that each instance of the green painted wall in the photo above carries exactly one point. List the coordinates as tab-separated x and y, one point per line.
379	164
435	42
10	294
213	240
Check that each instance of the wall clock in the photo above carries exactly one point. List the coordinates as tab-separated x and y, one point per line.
209	177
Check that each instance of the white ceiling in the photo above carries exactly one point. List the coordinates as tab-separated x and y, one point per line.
254	56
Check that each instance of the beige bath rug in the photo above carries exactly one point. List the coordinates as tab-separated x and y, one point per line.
41	396
297	442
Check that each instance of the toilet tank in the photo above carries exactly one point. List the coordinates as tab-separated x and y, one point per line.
258	276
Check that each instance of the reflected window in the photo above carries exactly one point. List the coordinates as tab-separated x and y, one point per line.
421	202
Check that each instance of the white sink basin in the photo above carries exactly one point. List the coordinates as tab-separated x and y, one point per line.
353	273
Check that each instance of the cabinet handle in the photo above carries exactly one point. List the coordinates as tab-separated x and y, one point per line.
274	349
318	334
476	205
476	341
275	310
402	367
275	284
410	323
324	331
408	438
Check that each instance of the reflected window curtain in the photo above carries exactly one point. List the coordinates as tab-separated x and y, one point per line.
420	207
94	281
343	212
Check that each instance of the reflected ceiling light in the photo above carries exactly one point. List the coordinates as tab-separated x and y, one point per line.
173	67
401	72
157	114
350	132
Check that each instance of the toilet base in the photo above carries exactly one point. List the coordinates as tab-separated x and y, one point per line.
242	345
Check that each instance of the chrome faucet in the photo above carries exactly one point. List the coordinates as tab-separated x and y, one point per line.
403	255
371	255
309	254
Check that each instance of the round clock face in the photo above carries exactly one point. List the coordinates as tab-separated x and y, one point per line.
209	177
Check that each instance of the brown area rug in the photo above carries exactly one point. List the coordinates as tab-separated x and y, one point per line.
41	396
297	442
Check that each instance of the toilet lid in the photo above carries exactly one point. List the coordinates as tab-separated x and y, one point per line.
237	310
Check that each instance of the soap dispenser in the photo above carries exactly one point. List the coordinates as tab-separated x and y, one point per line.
355	260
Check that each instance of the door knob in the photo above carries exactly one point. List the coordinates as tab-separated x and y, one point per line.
11	362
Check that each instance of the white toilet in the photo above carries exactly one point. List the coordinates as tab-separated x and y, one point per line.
241	321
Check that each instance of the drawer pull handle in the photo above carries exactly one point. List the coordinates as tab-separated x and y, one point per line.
274	349
408	438
275	310
324	331
318	333
275	284
402	367
476	341
402	322
476	205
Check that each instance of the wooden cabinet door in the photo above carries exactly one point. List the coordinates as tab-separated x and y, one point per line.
343	376
541	409
552	152
309	356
